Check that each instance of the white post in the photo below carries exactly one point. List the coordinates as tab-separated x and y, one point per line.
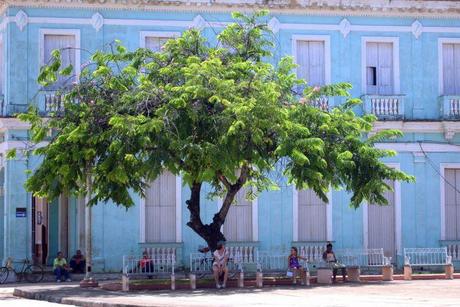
192	281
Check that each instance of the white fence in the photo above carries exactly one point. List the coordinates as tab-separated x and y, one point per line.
426	256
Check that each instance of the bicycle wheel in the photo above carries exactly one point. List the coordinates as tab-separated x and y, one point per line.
4	274
33	273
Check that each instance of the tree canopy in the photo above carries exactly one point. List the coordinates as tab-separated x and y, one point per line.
222	115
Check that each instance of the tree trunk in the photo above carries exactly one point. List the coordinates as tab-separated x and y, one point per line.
88	228
212	233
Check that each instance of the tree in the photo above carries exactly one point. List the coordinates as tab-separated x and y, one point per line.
218	115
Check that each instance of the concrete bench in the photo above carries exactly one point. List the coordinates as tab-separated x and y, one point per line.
427	257
355	259
277	263
154	265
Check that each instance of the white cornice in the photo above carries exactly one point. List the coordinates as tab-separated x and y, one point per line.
448	128
97	21
402	8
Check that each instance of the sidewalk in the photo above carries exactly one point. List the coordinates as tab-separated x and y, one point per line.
396	293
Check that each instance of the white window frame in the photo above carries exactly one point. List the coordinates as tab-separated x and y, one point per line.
441	42
74	32
327	51
396	68
442	169
295	215
255	218
159	34
398	225
178	214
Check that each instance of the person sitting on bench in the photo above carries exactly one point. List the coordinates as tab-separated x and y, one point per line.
78	262
329	257
60	268
219	266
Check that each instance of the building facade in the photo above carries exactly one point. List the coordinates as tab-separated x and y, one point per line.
402	57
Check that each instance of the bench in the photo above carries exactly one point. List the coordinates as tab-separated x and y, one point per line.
240	260
277	263
355	259
159	264
427	257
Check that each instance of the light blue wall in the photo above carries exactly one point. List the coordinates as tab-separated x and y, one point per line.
418	57
116	230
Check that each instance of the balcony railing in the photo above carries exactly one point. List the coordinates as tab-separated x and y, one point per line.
384	106
453	248
450	107
321	103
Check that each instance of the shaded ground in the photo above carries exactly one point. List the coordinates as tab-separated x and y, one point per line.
397	293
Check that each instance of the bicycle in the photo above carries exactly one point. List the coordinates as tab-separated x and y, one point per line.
30	272
205	266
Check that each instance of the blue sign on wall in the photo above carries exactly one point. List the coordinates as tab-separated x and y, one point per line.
21	212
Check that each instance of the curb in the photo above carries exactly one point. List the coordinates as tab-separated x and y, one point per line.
67	301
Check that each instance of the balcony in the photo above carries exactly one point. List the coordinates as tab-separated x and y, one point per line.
385	107
321	103
450	107
453	248
51	101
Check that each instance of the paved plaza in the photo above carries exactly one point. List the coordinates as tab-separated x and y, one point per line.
397	293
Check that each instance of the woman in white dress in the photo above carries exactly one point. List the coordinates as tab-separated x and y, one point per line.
219	266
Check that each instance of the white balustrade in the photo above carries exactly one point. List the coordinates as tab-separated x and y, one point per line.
312	252
321	103
162	255
53	102
454	106
136	265
453	250
386	105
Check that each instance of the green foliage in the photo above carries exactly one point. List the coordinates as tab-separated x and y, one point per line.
206	113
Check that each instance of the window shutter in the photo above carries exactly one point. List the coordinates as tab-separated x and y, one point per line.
160	210
66	44
238	223
312	217
371	67
452	204
456	75
382	225
310	58
448	69
2	69
385	69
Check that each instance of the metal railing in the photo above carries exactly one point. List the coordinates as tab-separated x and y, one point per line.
135	265
384	106
426	256
363	257
270	262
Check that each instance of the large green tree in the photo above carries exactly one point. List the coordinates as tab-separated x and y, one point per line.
224	116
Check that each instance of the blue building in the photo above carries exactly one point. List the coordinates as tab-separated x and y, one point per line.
403	58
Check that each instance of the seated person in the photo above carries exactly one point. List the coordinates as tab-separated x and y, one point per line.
78	262
60	268
294	265
329	257
146	263
219	266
